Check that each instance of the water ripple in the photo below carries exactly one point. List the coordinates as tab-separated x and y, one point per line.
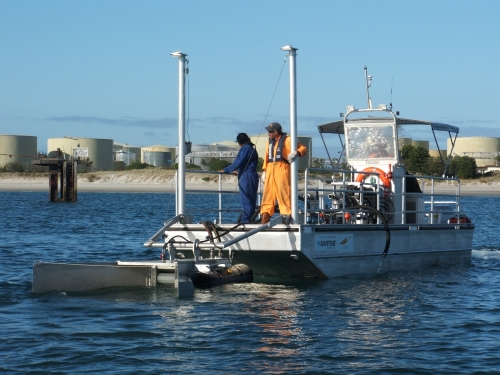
442	320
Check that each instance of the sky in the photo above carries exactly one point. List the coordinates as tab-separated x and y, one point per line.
103	69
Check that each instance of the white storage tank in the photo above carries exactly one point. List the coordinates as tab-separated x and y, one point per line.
126	157
126	148
98	151
158	155
157	158
483	149
18	149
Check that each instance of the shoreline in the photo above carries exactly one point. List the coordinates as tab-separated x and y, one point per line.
162	181
135	181
113	188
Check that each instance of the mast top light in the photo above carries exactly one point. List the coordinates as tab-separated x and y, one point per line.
289	47
178	54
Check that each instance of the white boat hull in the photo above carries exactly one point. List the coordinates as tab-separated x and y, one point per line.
326	251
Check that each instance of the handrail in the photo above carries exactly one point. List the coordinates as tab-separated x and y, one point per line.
343	186
221	245
433	195
270	224
157	235
219	191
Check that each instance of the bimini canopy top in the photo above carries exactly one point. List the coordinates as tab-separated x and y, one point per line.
337	127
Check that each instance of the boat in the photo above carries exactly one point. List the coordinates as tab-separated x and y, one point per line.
368	218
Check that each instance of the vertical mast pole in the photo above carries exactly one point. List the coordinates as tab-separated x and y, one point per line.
293	130
368	80
181	149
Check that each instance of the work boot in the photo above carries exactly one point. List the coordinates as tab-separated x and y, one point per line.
286	219
265	217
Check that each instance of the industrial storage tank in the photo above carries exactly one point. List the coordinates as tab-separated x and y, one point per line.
18	149
438	153
424	144
404	141
221	151
230	144
126	148
413	142
124	156
98	152
158	156
483	149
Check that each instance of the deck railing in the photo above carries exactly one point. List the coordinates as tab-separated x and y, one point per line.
219	191
328	196
402	207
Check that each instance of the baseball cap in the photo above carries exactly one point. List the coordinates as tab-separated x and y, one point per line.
273	127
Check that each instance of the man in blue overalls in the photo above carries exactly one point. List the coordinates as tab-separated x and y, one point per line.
248	179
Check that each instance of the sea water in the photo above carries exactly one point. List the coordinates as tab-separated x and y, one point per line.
441	320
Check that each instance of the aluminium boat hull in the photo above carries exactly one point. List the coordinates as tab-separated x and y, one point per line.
326	251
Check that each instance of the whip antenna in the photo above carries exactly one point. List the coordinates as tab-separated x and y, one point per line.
274	93
390	102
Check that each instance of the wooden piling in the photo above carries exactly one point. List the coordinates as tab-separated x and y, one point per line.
62	178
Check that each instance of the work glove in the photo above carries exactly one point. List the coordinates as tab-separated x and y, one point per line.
263	177
292	156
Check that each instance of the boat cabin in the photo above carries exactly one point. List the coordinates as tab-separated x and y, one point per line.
370	142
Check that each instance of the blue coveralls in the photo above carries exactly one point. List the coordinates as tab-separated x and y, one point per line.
248	179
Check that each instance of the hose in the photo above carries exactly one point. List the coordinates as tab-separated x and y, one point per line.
214	230
387	231
209	230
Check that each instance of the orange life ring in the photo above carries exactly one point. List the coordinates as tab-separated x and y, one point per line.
386	181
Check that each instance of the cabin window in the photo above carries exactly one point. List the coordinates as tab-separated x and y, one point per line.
365	142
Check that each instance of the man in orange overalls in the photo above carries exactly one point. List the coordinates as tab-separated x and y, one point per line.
276	175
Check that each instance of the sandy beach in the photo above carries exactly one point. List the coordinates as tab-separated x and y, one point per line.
147	181
162	181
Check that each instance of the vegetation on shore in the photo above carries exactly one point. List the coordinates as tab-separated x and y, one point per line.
418	162
416	159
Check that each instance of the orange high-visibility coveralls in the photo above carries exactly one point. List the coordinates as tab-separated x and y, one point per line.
277	183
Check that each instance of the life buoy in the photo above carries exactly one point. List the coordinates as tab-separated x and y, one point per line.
386	181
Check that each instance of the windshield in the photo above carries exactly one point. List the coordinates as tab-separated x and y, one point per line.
370	142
